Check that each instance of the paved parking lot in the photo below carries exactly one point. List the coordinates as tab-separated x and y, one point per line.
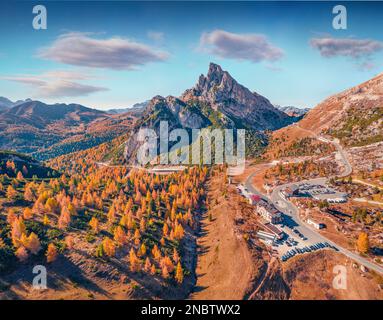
295	243
295	239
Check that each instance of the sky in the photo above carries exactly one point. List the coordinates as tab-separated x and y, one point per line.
114	54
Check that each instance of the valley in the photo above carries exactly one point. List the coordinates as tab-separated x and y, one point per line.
73	199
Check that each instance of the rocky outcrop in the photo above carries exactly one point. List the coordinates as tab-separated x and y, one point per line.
224	94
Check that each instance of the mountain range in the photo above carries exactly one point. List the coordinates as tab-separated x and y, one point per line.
5	103
50	130
137	107
217	100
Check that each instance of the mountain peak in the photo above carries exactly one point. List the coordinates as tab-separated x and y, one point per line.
215	81
5	103
214	69
224	94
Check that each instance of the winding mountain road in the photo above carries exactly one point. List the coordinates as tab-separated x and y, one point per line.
292	211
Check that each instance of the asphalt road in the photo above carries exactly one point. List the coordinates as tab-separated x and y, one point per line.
312	234
292	212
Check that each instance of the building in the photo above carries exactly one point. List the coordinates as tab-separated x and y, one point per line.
279	234
251	197
243	191
267	236
315	224
254	199
269	212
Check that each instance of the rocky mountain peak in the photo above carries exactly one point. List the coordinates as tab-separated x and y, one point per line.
210	86
215	73
224	94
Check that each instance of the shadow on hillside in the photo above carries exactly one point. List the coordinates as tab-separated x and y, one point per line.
148	286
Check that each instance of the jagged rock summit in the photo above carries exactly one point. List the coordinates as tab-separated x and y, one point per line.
225	95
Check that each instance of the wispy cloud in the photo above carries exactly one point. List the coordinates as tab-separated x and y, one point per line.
355	48
249	46
156	35
57	84
274	68
367	66
114	53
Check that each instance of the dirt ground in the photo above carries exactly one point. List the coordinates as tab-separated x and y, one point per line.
311	277
224	266
258	169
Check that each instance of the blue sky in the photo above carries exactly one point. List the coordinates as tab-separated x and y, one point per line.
111	55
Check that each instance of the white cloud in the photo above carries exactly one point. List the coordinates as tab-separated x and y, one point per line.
249	46
57	84
114	53
355	48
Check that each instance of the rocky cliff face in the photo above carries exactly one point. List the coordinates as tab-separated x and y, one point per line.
224	94
177	112
218	100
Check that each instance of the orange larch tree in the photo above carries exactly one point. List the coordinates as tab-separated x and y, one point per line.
51	253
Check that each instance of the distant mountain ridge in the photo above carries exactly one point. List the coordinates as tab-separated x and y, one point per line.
293	111
217	101
5	103
35	127
137	107
39	114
